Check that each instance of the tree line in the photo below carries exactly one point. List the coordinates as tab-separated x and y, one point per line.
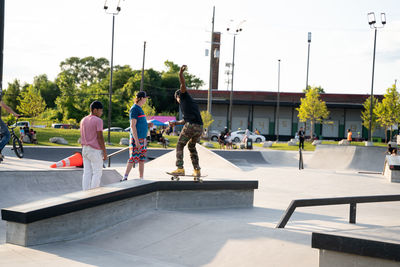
83	80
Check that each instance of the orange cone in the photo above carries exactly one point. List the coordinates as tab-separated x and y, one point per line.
74	160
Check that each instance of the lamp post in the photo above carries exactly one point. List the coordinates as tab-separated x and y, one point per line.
308	58
372	25
2	2
234	32
144	54
113	13
278	101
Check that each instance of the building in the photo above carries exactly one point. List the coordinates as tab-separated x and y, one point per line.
257	110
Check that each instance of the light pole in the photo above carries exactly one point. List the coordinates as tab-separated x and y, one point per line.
308	58
278	101
372	25
234	32
144	54
2	2
113	13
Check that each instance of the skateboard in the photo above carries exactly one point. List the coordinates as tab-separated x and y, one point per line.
197	179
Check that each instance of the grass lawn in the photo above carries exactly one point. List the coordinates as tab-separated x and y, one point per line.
307	145
72	136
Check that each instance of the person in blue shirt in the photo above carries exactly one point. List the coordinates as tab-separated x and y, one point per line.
138	134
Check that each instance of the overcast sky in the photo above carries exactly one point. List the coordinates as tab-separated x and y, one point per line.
40	34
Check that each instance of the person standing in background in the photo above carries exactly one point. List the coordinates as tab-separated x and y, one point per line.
138	134
301	135
93	147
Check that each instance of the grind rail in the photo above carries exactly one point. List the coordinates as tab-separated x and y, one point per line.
334	201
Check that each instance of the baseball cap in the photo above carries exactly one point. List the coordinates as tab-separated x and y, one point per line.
141	94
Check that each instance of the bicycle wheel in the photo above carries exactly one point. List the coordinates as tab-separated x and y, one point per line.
18	148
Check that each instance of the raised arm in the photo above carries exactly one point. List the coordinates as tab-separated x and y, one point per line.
9	110
182	79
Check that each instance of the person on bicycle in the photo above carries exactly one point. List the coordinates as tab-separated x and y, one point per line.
5	134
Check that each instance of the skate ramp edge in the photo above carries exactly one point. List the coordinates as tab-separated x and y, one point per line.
82	213
347	247
347	158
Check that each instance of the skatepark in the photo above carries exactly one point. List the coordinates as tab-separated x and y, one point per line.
211	236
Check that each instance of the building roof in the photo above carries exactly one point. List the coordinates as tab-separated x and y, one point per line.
286	98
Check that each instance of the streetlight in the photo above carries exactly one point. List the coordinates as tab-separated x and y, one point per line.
278	101
372	25
142	79
235	32
308	58
2	3
113	12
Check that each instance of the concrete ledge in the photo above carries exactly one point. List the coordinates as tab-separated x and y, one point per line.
372	247
81	213
391	169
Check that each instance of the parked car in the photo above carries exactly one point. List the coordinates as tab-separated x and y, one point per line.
128	129
63	126
237	136
22	124
114	129
214	135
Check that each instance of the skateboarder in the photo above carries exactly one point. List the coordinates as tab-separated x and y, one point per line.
192	129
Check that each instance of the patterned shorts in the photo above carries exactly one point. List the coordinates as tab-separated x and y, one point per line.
137	153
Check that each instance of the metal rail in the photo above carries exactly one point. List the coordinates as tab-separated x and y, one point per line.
334	201
115	153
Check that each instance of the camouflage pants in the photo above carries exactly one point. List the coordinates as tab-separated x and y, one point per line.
190	133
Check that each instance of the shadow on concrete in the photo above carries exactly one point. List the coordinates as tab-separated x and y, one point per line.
173	238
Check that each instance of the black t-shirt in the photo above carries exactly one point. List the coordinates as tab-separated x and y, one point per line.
301	134
190	109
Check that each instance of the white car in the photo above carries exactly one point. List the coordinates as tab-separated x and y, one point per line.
214	135
237	136
114	129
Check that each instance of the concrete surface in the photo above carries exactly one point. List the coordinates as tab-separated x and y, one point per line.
329	258
228	237
347	158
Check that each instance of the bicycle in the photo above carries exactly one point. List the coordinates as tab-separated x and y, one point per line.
16	143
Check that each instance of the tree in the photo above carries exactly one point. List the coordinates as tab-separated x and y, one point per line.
31	103
312	108
12	93
86	70
67	102
207	118
48	89
365	114
388	111
319	88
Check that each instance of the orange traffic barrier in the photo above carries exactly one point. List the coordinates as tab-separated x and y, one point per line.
74	160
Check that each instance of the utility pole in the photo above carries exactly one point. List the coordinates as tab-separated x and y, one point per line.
144	54
209	99
278	100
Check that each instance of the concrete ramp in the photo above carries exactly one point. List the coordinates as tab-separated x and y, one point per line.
18	187
347	158
212	165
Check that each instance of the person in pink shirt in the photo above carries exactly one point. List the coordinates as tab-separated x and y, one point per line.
93	147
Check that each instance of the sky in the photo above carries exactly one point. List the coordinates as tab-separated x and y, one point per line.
40	34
